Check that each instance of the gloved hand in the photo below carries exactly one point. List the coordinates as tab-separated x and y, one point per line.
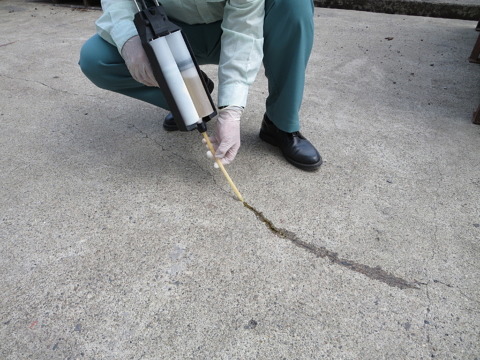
226	140
137	62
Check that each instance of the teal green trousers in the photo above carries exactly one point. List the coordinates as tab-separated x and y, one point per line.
288	39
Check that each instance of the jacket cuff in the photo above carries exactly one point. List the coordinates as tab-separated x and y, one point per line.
123	31
232	94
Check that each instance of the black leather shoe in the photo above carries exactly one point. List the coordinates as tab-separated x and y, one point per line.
295	148
169	123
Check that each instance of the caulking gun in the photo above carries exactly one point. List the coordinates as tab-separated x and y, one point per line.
177	73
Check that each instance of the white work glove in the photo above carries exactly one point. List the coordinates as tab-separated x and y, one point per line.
226	140
137	62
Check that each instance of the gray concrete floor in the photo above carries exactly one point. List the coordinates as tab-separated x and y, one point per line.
121	241
452	9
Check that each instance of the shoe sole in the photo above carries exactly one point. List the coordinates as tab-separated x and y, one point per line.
272	141
170	128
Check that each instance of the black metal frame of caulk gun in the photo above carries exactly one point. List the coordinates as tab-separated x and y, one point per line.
152	23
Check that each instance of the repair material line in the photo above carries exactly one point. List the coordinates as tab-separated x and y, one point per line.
222	168
375	273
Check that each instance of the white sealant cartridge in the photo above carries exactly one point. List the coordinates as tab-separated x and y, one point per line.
175	81
189	74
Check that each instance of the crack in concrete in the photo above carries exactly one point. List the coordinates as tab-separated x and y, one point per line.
426	322
140	131
440	282
9	43
375	273
146	135
469	298
46	85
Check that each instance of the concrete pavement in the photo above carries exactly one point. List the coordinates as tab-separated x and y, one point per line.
454	9
121	241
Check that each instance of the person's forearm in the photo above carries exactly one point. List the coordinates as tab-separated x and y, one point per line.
242	50
116	23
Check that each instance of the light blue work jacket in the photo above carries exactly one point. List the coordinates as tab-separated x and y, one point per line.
241	45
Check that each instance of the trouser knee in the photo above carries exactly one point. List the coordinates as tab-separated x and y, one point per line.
90	65
100	62
297	11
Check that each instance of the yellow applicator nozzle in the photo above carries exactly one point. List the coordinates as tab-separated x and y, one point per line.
222	168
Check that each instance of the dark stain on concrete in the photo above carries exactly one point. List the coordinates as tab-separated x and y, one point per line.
375	273
252	324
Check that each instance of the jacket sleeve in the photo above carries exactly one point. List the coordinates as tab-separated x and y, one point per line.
242	50
116	23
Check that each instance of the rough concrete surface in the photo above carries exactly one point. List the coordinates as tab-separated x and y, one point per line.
454	9
121	241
